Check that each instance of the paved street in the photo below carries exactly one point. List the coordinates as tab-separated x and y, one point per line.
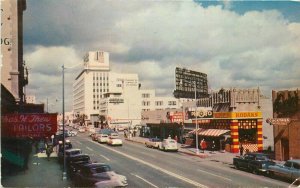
145	167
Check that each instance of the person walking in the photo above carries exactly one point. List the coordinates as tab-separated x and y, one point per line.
49	150
241	150
203	145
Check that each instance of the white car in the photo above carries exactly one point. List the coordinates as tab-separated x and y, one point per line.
72	133
81	130
168	145
102	138
112	180
114	140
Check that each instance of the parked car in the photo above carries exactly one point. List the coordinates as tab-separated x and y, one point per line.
254	162
296	183
153	143
69	153
168	145
95	174
74	163
114	140
290	170
102	138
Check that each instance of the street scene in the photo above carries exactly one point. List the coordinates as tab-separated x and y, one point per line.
150	93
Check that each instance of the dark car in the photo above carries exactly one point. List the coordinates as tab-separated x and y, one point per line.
289	171
74	162
90	175
69	153
253	162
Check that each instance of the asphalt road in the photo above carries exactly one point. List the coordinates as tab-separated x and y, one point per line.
145	167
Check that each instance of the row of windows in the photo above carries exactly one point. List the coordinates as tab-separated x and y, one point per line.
97	84
146	95
104	90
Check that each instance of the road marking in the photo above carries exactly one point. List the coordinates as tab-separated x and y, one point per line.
155	167
79	142
144	180
89	149
105	157
214	175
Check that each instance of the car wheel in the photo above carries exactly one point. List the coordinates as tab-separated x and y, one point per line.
237	166
255	171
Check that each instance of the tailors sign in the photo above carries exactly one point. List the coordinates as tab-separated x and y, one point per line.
29	125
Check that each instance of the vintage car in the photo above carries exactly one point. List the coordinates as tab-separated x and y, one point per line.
254	162
168	145
114	140
98	175
102	138
289	171
153	142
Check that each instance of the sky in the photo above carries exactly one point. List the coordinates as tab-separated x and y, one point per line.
241	44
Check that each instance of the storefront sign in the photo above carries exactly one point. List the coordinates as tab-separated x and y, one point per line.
29	125
199	113
176	117
237	115
278	121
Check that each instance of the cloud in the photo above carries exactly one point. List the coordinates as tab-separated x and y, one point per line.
45	74
256	48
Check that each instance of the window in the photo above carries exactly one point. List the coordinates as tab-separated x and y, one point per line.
172	103
146	95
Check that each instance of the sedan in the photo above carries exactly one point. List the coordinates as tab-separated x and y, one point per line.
102	138
153	142
114	141
289	171
168	145
99	175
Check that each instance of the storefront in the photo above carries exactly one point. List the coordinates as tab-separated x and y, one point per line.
245	129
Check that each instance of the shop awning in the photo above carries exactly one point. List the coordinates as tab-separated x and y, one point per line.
210	132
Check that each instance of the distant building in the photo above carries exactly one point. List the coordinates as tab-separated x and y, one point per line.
286	124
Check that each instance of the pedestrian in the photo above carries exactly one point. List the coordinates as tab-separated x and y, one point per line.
176	138
203	145
49	150
241	150
213	146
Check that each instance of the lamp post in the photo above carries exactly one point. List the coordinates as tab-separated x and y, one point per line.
64	177
196	133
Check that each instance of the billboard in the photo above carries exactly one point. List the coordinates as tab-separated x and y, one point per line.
201	112
185	81
29	125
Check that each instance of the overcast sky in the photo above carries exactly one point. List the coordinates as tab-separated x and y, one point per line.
237	44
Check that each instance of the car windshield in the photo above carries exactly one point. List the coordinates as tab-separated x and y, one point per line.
100	169
172	141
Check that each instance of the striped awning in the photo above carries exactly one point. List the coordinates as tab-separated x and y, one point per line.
210	132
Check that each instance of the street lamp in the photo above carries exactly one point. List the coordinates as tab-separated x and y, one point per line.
64	176
196	133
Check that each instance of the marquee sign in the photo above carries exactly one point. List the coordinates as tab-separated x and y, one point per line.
191	113
237	115
29	125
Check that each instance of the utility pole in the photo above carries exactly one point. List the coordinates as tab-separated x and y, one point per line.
196	133
63	121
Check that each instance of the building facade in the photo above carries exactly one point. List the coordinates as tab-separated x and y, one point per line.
286	123
91	84
13	72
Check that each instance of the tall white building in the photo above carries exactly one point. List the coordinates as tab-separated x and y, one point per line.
91	84
115	97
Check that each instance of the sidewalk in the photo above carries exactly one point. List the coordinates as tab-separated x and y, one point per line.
40	173
218	156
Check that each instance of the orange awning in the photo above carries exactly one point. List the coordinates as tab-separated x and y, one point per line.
210	132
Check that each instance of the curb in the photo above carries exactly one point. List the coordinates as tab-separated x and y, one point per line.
180	151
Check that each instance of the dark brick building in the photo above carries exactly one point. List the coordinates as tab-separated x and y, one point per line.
286	105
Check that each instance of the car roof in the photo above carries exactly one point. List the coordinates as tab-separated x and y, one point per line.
295	160
93	165
73	149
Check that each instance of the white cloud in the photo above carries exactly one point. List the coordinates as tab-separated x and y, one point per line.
258	48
